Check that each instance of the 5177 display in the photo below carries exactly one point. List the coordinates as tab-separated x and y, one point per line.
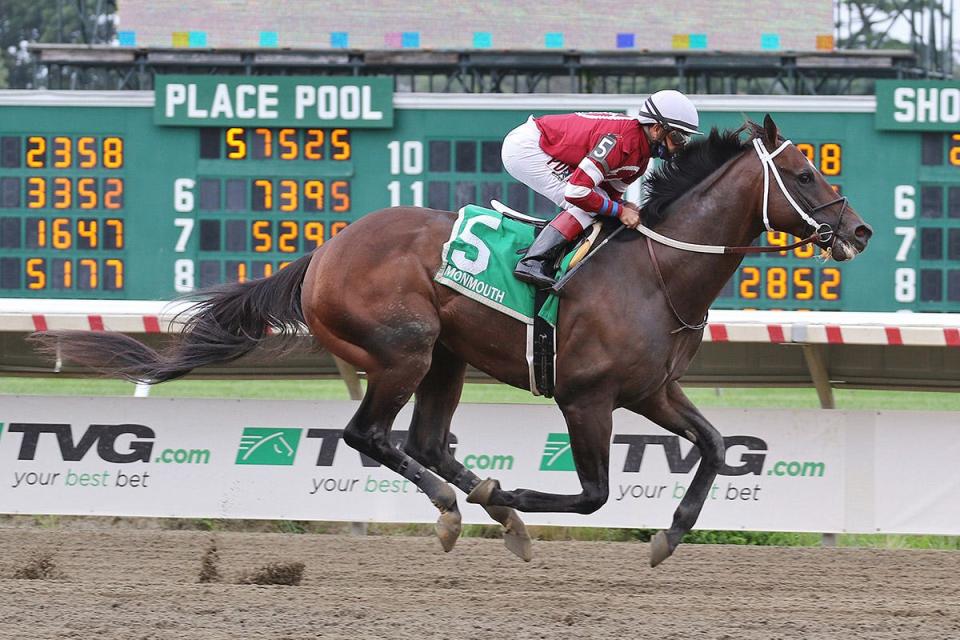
148	195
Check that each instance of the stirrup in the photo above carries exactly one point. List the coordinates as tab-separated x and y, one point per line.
540	279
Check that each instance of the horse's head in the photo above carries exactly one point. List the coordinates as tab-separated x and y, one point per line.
798	200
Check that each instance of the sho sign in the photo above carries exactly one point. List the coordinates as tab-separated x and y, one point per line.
918	105
274	101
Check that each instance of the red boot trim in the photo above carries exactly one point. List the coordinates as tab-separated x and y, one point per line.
567	225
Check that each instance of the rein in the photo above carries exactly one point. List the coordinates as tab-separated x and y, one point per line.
666	294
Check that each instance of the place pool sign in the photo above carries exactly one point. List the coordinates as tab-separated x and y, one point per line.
273	101
918	105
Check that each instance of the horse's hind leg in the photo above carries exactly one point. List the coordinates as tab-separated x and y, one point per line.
672	410
388	390
589	423
428	441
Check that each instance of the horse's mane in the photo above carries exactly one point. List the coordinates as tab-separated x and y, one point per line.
691	166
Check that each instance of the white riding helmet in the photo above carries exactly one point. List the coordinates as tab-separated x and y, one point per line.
671	109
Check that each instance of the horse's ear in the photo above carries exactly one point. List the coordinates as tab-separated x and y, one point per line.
770	132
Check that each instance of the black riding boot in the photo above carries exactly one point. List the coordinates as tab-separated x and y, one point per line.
537	262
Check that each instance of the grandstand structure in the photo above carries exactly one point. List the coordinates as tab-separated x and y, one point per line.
712	46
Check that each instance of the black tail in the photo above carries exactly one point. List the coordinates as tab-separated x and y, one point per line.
228	322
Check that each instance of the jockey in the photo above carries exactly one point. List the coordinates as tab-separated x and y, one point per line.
584	162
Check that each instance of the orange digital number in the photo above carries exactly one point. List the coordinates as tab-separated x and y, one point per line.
830	159
87	152
749	283
955	149
313	231
61	236
288	195
117	267
288	144
262	240
91	266
67	274
36	274
803	283
113	152
236	144
777	283
62	152
36	192
117	227
87	229
267	188
777	239
313	191
87	193
36	152
113	193
41	232
806	251
341	195
313	147
287	238
267	136
267	270
337	227
241	272
340	141
830	283
62	198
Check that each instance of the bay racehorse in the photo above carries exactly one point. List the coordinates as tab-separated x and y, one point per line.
624	338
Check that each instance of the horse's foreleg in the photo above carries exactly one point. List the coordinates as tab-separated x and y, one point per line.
673	411
368	432
589	424
428	441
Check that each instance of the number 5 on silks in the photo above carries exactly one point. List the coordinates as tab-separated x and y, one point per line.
459	257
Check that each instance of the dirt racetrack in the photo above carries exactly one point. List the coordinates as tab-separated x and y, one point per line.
132	584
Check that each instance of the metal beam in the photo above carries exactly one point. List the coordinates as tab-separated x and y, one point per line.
487	71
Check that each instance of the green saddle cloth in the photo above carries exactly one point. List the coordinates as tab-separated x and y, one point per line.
478	261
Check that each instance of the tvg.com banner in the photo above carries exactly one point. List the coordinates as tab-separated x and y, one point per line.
784	470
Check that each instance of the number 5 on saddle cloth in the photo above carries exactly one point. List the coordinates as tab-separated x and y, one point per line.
478	261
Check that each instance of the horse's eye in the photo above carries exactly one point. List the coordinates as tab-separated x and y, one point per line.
805	177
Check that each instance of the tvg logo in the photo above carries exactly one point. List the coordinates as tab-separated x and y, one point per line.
105	436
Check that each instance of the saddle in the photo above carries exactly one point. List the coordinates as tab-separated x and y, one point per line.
581	250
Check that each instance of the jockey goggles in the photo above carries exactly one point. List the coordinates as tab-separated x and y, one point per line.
676	136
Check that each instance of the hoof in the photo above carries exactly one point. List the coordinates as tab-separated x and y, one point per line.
448	529
659	549
482	492
519	544
515	535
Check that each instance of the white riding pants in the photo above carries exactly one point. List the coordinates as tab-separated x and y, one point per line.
526	161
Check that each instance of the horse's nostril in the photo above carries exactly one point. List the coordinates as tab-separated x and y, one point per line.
863	232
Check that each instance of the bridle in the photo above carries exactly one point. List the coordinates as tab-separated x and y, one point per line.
823	232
